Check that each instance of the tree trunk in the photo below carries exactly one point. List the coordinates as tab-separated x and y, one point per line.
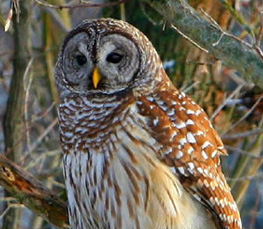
14	123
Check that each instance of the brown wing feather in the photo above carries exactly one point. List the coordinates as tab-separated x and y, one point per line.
192	147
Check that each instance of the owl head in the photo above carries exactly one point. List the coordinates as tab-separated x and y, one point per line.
105	57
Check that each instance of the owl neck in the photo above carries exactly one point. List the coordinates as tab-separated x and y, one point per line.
151	83
85	117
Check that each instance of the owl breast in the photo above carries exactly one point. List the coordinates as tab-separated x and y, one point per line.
113	178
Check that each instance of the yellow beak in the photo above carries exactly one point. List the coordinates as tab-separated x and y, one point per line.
96	77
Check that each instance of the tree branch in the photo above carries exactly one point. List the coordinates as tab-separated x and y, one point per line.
233	52
30	192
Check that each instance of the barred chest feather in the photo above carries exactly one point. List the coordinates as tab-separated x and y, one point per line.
112	175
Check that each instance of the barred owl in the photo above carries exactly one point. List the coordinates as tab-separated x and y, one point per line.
138	153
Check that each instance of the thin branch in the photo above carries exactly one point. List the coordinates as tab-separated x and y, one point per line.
28	79
258	37
42	114
7	199
242	134
33	147
240	151
186	89
9	207
189	39
8	19
30	192
238	16
245	115
41	157
223	33
73	6
258	176
226	101
5	212
43	135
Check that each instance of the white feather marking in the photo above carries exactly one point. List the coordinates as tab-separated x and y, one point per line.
191	165
198	112
171	112
181	170
151	99
211	200
173	170
206	183
181	108
206	144
174	133
190	112
204	155
170	150
214	153
155	121
180	125
190	138
179	154
190	150
189	122
199	132
182	141
200	170
68	134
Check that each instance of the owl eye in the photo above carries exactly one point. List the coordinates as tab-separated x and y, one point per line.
114	57
80	60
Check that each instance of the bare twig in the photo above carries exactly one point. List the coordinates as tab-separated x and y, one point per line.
223	33
9	207
189	39
41	157
258	176
226	101
39	139
43	113
8	19
27	85
258	37
7	199
186	89
242	134
43	135
240	151
238	16
246	114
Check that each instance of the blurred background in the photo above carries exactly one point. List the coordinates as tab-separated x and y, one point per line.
29	131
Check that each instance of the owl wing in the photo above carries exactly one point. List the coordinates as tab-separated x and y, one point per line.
191	148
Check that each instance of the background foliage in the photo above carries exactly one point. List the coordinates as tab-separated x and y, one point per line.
28	97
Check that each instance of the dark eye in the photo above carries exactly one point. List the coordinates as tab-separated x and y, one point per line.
81	60
114	57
